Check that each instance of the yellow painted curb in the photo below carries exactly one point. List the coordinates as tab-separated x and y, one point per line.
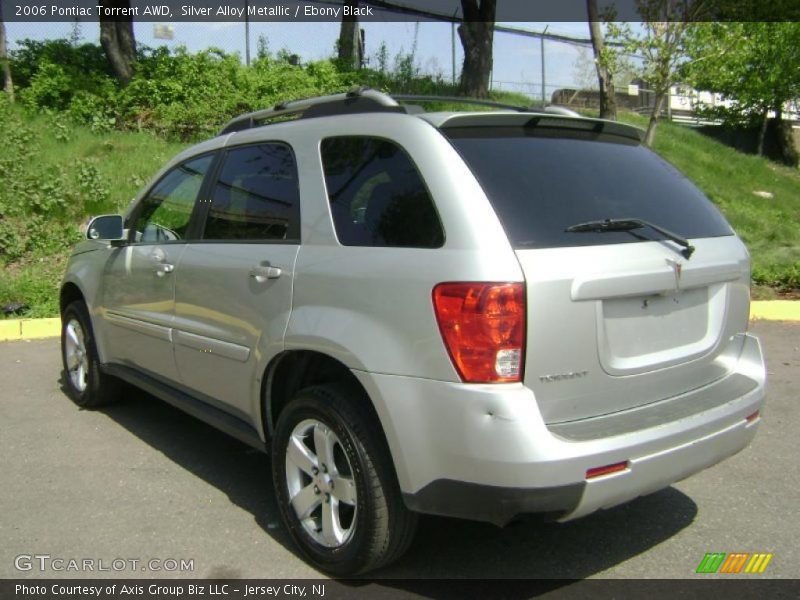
775	310
10	330
40	328
31	329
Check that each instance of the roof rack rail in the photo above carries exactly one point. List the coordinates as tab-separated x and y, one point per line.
554	109
460	100
356	100
364	100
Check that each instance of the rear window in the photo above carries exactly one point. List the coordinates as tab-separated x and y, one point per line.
541	182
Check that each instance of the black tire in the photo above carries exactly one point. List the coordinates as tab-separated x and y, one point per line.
382	527
100	389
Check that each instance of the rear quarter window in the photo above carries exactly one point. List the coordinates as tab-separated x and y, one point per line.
377	196
540	183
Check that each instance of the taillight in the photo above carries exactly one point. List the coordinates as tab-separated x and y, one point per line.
483	327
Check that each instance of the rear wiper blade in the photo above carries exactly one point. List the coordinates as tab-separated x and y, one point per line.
604	225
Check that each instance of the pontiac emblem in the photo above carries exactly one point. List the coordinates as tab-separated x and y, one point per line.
677	269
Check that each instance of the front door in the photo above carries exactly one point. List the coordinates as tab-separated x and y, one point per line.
139	284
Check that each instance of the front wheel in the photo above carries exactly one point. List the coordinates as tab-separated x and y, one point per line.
87	385
335	483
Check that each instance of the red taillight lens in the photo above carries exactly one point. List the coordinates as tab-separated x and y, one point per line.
483	327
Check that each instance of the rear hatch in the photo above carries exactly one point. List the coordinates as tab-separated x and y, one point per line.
616	319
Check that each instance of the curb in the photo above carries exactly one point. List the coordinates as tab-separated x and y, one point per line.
775	310
29	329
32	329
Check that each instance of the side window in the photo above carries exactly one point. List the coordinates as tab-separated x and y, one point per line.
256	196
377	196
165	212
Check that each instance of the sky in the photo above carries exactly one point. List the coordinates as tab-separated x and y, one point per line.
517	60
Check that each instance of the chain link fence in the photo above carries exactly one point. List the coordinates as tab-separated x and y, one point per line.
525	61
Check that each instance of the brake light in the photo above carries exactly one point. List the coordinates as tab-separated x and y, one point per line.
483	328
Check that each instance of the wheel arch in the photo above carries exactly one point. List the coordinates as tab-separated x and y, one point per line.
69	293
291	371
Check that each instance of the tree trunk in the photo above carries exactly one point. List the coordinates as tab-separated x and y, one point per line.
650	136
762	133
477	37
605	78
118	41
8	83
349	45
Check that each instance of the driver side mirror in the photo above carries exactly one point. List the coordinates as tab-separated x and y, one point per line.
106	228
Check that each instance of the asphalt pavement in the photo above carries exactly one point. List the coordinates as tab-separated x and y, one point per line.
140	481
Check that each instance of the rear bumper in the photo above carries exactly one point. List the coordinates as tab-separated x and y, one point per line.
483	452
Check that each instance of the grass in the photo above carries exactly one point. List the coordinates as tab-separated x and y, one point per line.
125	161
769	226
101	171
122	162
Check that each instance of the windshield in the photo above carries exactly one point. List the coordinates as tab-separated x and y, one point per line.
542	182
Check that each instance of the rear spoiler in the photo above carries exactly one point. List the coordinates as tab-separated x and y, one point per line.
538	120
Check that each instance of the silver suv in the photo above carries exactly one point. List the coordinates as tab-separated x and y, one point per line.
480	315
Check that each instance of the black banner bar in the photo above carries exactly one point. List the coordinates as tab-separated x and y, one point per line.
265	589
384	10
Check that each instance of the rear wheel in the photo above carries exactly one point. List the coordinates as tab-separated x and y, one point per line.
87	385
335	483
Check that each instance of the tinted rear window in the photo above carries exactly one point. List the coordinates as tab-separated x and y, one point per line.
540	183
256	197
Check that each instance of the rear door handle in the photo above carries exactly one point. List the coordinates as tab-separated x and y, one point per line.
164	268
263	272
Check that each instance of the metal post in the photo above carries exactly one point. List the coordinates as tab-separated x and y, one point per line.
544	86
453	48
246	33
669	103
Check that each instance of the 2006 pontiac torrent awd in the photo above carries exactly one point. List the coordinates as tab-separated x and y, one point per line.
473	314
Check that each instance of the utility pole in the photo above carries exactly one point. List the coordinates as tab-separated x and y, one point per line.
246	33
453	44
453	49
541	48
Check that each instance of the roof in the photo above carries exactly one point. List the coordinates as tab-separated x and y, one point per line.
367	100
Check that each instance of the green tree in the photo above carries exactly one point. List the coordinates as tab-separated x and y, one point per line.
605	74
660	43
754	65
349	45
477	37
8	83
119	43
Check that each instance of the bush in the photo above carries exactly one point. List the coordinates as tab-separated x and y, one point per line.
38	203
782	277
181	95
50	73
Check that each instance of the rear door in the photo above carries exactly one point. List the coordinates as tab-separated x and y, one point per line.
234	287
615	319
139	282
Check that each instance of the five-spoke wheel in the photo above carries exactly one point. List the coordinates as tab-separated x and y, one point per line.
85	382
75	358
319	478
335	482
